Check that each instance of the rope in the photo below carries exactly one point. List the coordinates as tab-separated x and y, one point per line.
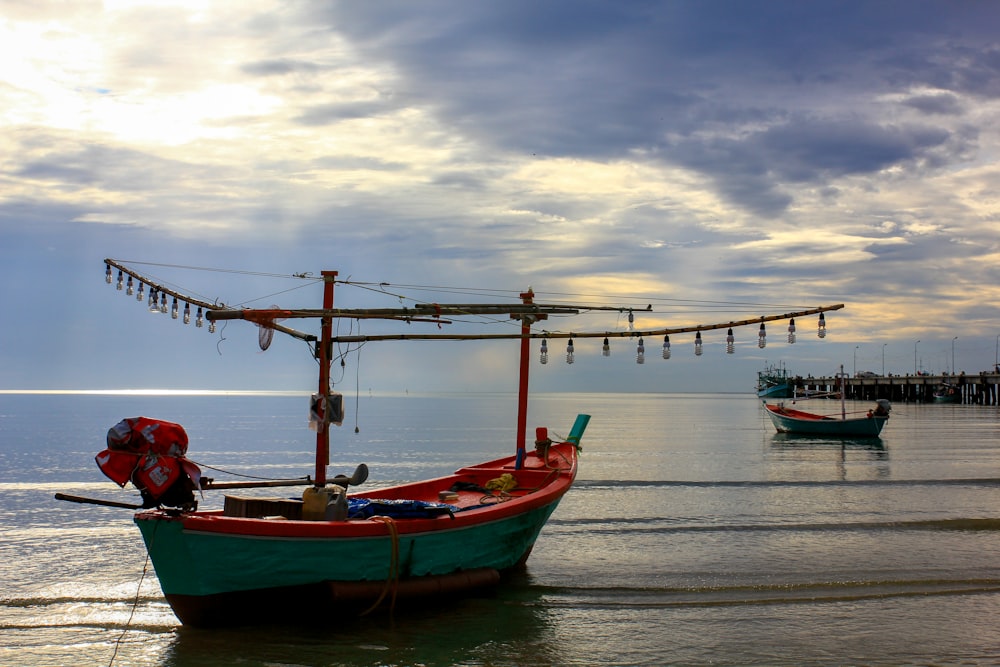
392	581
303	276
135	601
236	474
357	390
544	449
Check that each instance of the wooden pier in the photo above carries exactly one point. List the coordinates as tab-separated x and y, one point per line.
978	389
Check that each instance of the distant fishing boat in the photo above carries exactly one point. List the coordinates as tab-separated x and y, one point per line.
773	382
947	393
790	420
331	554
800	422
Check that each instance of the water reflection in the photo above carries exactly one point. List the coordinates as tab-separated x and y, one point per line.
865	458
500	629
791	441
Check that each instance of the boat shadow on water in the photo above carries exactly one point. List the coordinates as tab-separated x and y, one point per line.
502	628
793	441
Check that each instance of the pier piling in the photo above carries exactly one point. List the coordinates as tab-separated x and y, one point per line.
978	389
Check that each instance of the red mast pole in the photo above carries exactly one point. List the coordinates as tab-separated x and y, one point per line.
323	426
522	389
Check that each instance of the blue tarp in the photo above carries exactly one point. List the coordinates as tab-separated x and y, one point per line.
362	508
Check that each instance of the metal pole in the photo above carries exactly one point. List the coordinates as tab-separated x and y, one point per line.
953	354
915	357
856	347
883	358
843	394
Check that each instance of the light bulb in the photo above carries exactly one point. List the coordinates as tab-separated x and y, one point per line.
139	295
762	337
187	313
121	281
606	348
129	289
697	344
199	319
569	351
107	275
666	347
730	342
174	309
791	330
544	352
822	326
163	302
640	353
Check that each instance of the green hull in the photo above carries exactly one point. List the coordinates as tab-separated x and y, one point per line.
243	563
201	563
864	427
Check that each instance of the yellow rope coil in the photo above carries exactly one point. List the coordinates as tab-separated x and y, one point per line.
503	483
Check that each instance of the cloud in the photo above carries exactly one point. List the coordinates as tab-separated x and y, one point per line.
936	103
724	151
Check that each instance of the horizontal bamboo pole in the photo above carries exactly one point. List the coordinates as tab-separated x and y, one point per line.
431	313
588	334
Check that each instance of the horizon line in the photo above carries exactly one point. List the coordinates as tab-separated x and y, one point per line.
157	392
299	392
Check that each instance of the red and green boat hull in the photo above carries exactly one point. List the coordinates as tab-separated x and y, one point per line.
216	569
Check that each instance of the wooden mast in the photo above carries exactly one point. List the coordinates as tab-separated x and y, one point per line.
323	393
522	386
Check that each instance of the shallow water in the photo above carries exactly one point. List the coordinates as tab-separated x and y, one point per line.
694	535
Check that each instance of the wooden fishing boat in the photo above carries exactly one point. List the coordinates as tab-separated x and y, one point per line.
867	425
947	393
336	552
790	420
773	382
393	545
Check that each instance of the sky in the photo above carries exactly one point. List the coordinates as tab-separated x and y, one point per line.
769	156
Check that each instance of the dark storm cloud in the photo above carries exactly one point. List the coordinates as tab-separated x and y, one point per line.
937	103
814	151
601	80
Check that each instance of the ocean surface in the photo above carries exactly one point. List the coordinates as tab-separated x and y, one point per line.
695	535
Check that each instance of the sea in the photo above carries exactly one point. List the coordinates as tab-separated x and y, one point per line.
694	535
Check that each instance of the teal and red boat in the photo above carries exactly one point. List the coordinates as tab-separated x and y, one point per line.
337	552
220	567
867	424
800	422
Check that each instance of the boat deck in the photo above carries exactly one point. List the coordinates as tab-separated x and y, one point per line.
467	489
796	414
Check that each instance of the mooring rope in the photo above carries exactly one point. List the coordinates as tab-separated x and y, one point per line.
392	581
135	601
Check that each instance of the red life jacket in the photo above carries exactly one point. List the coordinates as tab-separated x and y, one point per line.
147	452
